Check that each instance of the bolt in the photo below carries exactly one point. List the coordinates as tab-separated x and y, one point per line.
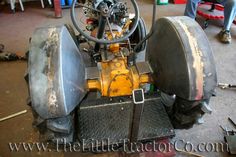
200	120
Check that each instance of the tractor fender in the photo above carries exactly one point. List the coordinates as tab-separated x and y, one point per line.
181	59
56	72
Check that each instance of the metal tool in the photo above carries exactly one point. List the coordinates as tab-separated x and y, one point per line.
224	129
190	153
233	122
230	137
13	115
225	85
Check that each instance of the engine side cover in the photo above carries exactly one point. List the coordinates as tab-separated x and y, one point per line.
181	58
56	72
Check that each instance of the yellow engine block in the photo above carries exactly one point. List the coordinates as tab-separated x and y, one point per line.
117	79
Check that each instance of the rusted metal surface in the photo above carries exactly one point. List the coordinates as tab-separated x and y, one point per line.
181	58
56	72
57	9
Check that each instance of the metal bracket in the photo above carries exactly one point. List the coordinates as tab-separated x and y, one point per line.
91	73
138	99
143	68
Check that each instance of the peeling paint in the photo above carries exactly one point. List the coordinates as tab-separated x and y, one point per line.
51	47
197	60
52	101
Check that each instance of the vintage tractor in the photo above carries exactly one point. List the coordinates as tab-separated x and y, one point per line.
113	80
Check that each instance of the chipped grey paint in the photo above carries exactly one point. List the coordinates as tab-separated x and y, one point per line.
56	72
181	59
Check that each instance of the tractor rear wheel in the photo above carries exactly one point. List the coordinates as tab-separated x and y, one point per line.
56	130
183	113
53	130
55	66
183	68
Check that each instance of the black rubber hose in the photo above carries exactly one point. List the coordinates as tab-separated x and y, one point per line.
102	41
152	27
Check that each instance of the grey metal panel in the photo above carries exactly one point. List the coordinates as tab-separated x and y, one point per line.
100	119
61	125
92	73
72	71
56	72
155	122
181	58
143	68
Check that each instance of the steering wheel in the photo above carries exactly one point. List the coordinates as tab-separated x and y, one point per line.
104	13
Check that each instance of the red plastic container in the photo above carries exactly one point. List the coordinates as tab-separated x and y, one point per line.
180	1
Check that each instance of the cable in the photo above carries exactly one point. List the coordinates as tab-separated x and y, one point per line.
152	28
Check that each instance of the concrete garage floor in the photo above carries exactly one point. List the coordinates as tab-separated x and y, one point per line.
15	30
